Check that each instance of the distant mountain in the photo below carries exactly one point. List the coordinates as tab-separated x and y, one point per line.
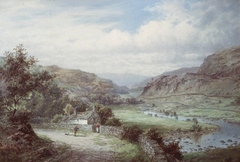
178	72
82	84
124	79
217	76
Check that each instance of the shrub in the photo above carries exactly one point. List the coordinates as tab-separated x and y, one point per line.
173	149
131	133
154	135
195	127
113	122
57	118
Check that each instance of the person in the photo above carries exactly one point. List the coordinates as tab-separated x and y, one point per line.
75	130
98	127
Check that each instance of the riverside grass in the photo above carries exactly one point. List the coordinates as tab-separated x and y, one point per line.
130	115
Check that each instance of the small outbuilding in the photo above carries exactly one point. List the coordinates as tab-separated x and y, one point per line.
93	117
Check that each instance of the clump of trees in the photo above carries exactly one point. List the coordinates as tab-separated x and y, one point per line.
195	127
20	79
107	116
131	133
25	87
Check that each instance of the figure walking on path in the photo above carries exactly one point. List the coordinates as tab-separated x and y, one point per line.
98	127
75	130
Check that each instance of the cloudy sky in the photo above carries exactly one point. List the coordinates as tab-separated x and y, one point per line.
146	37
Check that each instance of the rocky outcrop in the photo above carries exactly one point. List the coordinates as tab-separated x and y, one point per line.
224	63
217	76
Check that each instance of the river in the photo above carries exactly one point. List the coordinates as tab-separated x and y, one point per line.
227	135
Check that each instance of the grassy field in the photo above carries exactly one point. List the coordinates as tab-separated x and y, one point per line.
217	155
199	106
131	115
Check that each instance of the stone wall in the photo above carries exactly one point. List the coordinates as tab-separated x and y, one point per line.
150	147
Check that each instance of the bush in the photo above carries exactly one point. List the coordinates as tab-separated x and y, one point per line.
171	148
154	135
57	118
195	127
113	122
131	133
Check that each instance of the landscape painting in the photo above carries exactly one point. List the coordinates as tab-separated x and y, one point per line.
120	81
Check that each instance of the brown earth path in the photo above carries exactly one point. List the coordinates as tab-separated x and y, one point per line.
90	147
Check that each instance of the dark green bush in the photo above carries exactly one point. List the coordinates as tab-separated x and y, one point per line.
131	133
113	122
154	134
171	148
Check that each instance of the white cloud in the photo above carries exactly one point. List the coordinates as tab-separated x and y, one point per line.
179	34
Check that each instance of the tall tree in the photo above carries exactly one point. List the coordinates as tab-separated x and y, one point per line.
20	78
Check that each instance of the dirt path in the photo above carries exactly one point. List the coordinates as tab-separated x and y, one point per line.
85	147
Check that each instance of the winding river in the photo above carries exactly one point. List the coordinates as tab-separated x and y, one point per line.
227	135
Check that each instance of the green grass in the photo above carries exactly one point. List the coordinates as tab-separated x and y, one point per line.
130	115
216	155
127	151
199	106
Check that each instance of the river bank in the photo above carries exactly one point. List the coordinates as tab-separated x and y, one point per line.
227	134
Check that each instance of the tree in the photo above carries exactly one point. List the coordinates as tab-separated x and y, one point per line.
20	78
68	109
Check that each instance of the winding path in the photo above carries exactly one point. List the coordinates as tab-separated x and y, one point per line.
89	147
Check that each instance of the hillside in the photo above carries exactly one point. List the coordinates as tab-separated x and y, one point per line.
217	76
80	84
177	72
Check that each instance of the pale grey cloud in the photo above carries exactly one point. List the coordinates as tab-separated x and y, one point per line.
177	33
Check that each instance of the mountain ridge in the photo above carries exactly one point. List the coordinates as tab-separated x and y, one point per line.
217	76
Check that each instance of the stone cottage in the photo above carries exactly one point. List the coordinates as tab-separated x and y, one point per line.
93	117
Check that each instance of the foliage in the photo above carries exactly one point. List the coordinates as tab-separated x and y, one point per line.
131	133
68	109
132	101
48	103
195	127
172	148
57	118
113	122
20	78
154	134
19	117
104	112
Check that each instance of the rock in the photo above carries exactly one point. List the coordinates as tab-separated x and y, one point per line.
229	140
222	141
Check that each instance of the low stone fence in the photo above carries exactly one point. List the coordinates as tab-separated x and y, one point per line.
150	147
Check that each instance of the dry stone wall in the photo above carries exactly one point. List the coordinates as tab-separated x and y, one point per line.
150	147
